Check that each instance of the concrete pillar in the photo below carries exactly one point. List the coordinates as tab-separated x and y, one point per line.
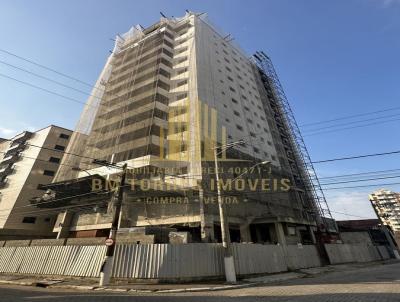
280	234
245	235
312	235
392	244
65	224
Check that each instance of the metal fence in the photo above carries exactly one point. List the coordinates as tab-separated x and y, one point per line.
168	261
345	253
83	261
180	261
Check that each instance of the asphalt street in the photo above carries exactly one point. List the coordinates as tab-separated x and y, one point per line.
378	283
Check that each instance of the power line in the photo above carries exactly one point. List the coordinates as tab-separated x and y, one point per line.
359	180
347	128
46	161
355	157
357	174
350	116
47	79
354	122
364	186
43	89
48	68
350	215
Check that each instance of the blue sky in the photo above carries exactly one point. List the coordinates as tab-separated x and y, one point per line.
334	58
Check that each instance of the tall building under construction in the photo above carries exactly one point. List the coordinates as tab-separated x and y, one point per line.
170	98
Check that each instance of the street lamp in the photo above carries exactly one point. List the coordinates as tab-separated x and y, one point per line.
265	162
80	170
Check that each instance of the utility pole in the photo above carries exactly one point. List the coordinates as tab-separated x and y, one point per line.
106	269
229	263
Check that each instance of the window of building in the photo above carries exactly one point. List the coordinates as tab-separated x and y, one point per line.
64	136
181	83
59	147
273	157
239	127
236	113
40	187
54	160
227	120
252	134
181	60
230	79
181	96
234	101
48	173
232	89
29	219
256	150
228	69
183	70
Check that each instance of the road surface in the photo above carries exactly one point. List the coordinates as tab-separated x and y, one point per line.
379	283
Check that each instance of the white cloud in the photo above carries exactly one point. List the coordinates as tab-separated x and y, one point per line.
6	132
388	3
352	203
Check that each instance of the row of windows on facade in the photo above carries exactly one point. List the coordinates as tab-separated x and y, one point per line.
32	219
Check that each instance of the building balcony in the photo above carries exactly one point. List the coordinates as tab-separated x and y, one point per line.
22	137
15	148
3	182
10	159
6	170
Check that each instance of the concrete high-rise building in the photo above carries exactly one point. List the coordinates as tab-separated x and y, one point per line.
27	161
386	204
166	97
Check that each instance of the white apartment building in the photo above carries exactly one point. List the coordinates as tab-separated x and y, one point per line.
27	161
386	204
180	80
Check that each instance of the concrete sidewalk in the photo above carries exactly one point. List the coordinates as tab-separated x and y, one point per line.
92	284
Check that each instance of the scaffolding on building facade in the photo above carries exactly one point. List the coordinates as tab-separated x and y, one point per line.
302	166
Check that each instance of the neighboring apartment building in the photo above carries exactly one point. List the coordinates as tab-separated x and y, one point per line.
386	204
27	161
167	95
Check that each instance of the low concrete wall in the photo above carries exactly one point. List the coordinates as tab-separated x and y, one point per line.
86	241
17	243
356	238
47	242
302	256
383	251
345	253
258	258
